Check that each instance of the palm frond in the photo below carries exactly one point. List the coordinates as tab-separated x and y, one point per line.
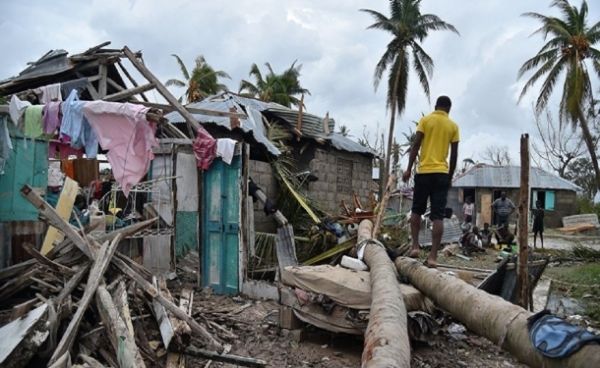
175	82
548	85
421	74
184	70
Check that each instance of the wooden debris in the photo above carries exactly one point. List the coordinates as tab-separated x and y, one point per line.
121	338
64	207
21	338
99	267
225	358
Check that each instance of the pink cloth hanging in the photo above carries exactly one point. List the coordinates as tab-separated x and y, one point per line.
205	149
123	130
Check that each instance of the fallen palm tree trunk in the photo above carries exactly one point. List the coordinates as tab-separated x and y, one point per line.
490	316
386	339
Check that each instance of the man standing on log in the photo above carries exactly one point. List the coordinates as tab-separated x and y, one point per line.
436	135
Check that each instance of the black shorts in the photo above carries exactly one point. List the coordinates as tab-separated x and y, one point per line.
432	187
538	226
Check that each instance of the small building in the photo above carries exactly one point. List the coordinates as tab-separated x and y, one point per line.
485	183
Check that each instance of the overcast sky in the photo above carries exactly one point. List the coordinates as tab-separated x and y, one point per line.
478	70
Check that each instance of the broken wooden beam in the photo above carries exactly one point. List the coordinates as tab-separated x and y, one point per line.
95	277
225	358
165	324
46	261
148	288
522	271
391	185
490	316
122	95
22	337
121	338
386	339
55	219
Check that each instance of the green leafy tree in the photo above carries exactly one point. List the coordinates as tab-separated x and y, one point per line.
581	172
284	88
408	28
566	55
201	83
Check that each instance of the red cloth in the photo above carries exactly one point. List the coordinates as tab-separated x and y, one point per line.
205	149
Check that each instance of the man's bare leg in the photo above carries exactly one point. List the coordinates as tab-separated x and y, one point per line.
436	239
542	239
415	227
535	240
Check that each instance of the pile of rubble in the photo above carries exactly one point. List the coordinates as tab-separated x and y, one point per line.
85	304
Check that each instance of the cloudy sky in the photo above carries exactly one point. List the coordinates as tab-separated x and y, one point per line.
478	70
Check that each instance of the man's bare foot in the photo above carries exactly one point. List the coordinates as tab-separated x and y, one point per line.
414	253
429	263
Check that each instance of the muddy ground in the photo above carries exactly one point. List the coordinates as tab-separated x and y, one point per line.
255	325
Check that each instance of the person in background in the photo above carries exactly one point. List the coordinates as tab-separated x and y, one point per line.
468	210
436	136
486	235
503	208
538	222
471	242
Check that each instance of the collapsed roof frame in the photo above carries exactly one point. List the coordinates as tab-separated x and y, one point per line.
102	66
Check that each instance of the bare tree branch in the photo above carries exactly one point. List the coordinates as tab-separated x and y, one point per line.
496	155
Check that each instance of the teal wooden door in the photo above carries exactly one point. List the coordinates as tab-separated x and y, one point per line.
221	218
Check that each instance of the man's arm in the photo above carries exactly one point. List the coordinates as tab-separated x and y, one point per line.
414	151
453	158
512	207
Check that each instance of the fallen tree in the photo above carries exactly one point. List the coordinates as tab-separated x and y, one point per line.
386	339
490	316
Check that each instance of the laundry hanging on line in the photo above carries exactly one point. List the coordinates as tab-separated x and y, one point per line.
205	149
16	109
5	143
226	149
124	131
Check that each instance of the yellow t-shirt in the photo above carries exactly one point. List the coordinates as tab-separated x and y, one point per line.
439	131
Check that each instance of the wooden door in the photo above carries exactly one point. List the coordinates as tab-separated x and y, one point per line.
221	215
486	208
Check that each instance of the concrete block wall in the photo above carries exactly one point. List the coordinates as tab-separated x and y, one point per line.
328	191
262	174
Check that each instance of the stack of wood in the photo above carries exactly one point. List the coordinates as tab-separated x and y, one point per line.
86	304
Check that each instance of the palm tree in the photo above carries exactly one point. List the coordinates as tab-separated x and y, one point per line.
568	52
344	130
281	88
203	81
408	28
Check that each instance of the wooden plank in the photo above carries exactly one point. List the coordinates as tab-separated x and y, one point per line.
131	79
64	207
193	110
486	209
121	338
102	84
162	317
122	305
171	307
189	118
55	219
225	358
46	261
96	275
123	95
115	85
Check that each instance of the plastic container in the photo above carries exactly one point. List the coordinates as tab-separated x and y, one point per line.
353	264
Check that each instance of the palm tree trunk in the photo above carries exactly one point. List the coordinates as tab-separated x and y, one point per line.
589	142
388	155
386	339
490	316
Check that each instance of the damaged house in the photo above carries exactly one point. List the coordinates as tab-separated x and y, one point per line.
484	183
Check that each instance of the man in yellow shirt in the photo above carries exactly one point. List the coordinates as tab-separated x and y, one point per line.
436	135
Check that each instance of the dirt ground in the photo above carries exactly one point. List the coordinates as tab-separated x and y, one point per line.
253	330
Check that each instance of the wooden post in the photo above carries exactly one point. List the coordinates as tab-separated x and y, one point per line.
522	272
299	122
383	204
102	84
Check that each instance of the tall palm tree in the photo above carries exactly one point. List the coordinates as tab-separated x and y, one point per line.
408	28
568	52
343	130
281	88
201	83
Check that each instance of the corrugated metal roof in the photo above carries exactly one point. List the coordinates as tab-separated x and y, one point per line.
484	176
312	125
252	124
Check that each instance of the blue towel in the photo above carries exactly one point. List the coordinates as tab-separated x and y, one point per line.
556	338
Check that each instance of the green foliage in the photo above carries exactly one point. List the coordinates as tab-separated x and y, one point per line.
581	172
202	82
284	88
408	28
